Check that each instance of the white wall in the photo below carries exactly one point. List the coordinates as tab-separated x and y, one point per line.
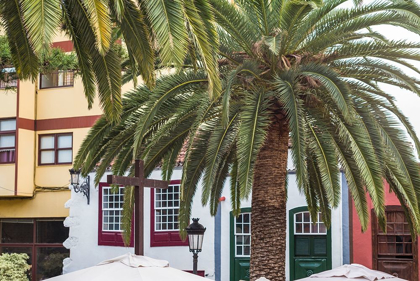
83	237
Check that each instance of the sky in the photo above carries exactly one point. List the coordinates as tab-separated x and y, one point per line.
408	103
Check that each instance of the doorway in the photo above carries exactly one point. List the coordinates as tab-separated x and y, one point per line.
394	252
240	245
310	244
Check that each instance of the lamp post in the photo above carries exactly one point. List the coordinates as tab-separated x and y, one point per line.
83	187
195	233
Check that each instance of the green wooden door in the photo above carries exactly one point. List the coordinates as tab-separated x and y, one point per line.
240	245
310	245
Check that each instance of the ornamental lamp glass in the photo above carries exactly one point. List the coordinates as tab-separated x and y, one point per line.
195	233
75	176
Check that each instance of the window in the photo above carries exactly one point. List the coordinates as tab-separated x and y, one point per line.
394	251
55	149
166	208
7	140
110	213
243	235
304	224
60	78
41	239
112	205
397	241
164	216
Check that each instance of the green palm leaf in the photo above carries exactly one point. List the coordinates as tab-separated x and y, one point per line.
252	131
42	19
100	21
24	59
167	19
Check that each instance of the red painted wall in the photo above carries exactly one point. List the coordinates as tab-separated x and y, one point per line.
362	242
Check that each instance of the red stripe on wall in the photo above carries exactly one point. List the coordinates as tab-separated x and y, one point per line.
66	123
27	124
66	46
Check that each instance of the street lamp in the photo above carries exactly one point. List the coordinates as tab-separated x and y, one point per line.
83	187
195	233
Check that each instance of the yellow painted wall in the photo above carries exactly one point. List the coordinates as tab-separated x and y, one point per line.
65	102
8	101
27	99
43	205
7	179
26	159
58	175
61	36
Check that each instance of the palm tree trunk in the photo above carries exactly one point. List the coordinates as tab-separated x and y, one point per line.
268	220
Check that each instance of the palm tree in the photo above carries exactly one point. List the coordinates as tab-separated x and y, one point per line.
169	27
300	74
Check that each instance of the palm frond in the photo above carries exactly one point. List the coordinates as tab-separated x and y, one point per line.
167	19
42	19
284	90
201	21
254	124
24	59
137	38
100	21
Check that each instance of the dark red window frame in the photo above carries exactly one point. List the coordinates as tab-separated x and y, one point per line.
110	238
33	245
8	157
55	149
69	79
163	238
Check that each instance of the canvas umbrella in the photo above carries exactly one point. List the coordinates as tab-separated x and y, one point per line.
349	272
129	267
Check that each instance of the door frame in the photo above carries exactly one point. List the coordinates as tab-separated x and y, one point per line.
374	224
292	213
232	241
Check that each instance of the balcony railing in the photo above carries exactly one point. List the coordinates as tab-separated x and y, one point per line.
8	79
61	78
8	84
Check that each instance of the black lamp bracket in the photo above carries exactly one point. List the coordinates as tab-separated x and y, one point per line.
84	188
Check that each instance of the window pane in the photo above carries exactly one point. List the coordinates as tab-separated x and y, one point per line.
166	208
17	231
51	231
47	80
49	261
8	125
302	246
47	142
112	202
322	228
65	156
64	141
47	157
7	141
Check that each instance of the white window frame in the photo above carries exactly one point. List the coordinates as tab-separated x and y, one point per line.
120	192
160	208
319	222
236	234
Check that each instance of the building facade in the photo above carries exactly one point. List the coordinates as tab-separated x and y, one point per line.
393	251
95	232
42	125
